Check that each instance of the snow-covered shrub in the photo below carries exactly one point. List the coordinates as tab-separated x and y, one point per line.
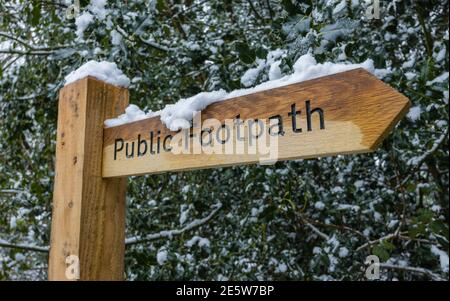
308	219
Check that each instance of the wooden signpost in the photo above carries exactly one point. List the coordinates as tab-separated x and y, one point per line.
344	113
349	112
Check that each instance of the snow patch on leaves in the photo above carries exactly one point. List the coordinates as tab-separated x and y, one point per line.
116	38
200	241
162	256
82	22
443	258
96	9
414	113
440	79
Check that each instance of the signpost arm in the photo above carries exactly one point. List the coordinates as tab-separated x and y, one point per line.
88	215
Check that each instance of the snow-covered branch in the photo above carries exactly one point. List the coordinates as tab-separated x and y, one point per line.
145	41
398	235
336	227
376	241
171	233
29	46
132	240
413	269
418	161
26	52
5	244
314	229
155	45
11	191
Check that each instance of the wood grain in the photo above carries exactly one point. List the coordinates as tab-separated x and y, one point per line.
359	111
88	218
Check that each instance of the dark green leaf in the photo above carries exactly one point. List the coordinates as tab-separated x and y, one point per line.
289	7
36	13
160	5
381	252
425	215
246	54
261	53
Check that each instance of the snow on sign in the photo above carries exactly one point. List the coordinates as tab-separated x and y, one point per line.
344	113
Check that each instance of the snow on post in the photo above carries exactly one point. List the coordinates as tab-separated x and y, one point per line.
104	71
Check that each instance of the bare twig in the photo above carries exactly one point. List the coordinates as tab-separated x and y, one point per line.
270	9
11	62
338	227
312	227
376	241
413	269
417	163
404	205
398	235
252	7
147	42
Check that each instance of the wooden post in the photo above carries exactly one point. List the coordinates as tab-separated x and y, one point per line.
88	218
